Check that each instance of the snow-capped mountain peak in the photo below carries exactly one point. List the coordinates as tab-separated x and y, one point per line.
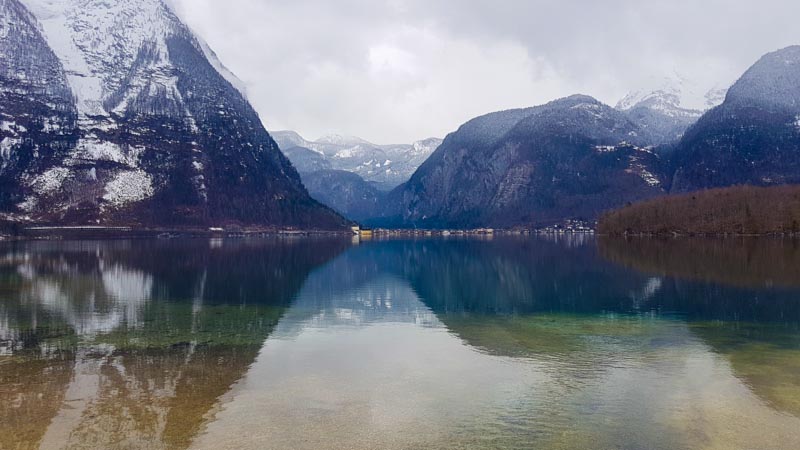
337	139
385	165
669	106
125	115
673	93
98	41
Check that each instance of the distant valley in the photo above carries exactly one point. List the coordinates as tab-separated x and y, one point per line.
349	174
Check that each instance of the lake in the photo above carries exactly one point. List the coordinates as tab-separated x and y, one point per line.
565	342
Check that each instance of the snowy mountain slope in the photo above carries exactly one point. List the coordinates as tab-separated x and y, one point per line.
387	166
666	112
675	91
37	114
164	137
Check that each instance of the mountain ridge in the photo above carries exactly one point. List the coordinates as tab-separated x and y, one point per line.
570	157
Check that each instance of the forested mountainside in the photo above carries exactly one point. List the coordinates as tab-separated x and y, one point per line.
734	210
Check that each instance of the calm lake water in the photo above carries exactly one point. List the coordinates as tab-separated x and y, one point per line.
515	343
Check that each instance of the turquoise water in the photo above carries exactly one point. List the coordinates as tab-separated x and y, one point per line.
564	343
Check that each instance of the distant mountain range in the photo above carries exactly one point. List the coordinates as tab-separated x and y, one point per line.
350	174
114	112
384	166
666	112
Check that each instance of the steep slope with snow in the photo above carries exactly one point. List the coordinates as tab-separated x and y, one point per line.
164	136
37	114
666	112
386	166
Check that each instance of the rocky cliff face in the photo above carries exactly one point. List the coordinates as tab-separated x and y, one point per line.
161	134
571	158
753	137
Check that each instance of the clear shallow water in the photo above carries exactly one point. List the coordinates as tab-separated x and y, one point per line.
504	343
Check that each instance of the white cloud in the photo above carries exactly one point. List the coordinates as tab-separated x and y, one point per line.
401	70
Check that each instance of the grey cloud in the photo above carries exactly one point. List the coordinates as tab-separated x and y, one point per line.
401	70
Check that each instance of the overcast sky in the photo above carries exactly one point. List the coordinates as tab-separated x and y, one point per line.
395	71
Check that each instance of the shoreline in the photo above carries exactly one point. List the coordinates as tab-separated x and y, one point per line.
54	233
45	233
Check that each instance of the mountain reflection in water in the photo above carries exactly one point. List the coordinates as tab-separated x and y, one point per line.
500	343
132	344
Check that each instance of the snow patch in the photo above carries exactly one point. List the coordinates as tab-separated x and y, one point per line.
129	187
29	205
346	153
674	94
6	145
50	181
605	148
54	16
797	123
649	178
51	124
637	168
336	139
592	108
94	149
98	42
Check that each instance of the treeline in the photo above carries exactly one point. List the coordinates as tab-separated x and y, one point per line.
739	210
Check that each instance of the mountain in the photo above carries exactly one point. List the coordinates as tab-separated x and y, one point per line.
387	166
571	158
665	113
345	192
38	117
138	123
678	90
306	160
753	137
